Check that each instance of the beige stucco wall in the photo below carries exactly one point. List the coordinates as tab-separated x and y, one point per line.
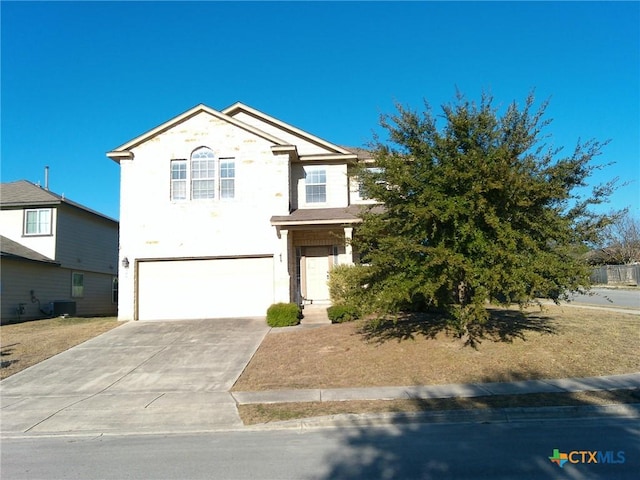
337	189
304	147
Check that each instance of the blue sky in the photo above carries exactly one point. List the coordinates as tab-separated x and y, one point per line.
79	79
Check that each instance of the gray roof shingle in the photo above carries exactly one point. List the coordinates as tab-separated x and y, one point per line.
305	216
22	194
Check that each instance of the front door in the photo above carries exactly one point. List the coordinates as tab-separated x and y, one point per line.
317	273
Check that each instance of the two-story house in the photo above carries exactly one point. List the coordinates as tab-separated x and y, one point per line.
225	212
57	256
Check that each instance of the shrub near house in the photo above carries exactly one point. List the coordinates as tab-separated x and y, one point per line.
342	313
283	315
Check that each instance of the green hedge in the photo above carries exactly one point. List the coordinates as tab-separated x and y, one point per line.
342	313
283	315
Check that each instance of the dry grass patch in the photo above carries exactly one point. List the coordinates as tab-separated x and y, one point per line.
265	413
25	344
555	343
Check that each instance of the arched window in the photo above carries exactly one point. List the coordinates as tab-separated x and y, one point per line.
203	174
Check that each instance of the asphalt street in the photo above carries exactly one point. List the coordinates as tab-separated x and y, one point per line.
461	451
609	297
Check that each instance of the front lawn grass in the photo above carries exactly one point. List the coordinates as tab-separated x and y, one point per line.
556	342
25	344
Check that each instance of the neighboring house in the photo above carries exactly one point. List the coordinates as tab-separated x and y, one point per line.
225	212
57	256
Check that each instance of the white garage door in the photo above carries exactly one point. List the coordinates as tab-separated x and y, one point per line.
204	288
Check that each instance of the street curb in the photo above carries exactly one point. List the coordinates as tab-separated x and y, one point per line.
343	421
497	415
591	306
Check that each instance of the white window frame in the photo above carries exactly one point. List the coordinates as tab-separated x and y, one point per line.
43	227
189	178
227	176
312	193
77	291
179	180
203	168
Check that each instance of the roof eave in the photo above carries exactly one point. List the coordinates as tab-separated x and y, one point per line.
333	221
333	157
116	156
12	256
32	204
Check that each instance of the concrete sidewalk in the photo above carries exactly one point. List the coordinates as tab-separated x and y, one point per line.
483	415
612	382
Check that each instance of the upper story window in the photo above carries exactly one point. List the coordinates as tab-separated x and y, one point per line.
178	179
203	174
315	180
227	177
37	221
203	177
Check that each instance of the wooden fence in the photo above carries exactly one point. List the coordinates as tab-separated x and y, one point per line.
616	275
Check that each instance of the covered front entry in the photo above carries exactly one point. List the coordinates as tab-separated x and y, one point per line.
317	251
312	242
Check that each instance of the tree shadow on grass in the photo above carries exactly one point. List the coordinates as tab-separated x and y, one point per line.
501	326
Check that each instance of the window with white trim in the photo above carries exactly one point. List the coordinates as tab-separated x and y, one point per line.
37	221
315	179
203	177
178	179
203	174
77	284
227	177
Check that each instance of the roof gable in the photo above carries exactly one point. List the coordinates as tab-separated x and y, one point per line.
124	150
258	123
292	134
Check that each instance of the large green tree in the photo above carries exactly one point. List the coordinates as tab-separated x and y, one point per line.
477	209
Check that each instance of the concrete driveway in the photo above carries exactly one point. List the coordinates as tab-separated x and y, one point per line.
140	377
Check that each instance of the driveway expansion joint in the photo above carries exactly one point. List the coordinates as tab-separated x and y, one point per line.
159	396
